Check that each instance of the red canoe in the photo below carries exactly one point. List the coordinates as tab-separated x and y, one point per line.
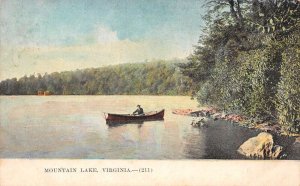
115	118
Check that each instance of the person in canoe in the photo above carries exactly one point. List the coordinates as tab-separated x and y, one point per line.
139	111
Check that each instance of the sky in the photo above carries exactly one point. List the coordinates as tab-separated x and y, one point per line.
38	36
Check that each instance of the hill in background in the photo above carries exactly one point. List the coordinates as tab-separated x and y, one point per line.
149	78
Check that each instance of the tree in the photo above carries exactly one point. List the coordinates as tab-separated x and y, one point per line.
238	63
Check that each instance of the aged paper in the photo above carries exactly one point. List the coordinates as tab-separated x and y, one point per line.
175	173
149	92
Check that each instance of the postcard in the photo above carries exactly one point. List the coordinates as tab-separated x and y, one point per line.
149	92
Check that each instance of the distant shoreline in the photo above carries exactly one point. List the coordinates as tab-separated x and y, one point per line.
95	95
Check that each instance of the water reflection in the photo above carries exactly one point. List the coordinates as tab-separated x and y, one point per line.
195	143
73	127
223	140
117	124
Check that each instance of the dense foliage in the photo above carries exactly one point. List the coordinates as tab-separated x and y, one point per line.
248	59
151	78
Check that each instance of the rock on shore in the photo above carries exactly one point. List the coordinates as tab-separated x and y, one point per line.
262	146
209	112
201	122
297	140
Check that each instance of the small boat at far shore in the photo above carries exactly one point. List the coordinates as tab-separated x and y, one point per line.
127	118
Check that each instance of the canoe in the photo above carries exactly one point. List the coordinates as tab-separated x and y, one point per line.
121	118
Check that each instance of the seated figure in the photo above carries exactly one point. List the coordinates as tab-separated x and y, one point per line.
139	111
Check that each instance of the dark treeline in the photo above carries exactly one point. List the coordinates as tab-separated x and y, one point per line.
151	78
248	59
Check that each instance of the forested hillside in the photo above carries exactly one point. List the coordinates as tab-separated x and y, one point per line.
248	59
150	78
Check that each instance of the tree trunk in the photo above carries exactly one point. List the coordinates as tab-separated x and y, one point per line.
239	11
232	10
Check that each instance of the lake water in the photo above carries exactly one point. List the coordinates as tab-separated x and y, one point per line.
74	127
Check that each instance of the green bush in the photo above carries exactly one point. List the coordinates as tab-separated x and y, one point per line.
288	96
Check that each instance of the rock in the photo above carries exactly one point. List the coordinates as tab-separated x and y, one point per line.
233	118
185	112
268	127
297	125
264	127
261	146
256	120
200	122
197	113
207	114
216	116
223	115
276	150
283	156
297	140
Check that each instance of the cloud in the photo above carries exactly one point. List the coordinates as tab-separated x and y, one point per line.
107	50
106	35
